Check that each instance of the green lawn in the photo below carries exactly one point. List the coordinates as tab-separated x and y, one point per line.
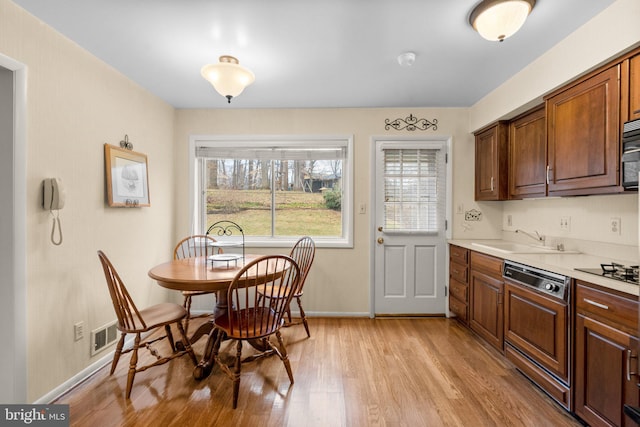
297	213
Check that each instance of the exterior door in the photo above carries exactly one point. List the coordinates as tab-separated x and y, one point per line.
410	240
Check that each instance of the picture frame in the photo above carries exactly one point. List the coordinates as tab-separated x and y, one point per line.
127	177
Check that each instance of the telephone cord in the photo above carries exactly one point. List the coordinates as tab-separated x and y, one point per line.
56	220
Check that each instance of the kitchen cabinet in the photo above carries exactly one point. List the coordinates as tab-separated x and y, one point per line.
606	358
634	87
486	288
528	155
491	162
583	123
459	282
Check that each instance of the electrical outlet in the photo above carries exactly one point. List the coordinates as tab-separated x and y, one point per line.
565	223
615	225
78	331
473	215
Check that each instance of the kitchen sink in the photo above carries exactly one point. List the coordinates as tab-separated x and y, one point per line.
519	248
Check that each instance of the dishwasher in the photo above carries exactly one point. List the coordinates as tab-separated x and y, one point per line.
537	327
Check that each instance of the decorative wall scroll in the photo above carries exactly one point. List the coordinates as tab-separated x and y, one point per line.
127	177
411	123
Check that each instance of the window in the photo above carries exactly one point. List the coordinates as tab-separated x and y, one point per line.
276	188
412	190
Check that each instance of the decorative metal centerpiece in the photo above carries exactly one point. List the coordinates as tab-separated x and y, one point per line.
224	229
411	123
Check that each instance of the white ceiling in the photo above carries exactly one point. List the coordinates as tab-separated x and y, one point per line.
310	54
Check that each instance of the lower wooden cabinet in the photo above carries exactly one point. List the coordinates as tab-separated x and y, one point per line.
605	357
486	288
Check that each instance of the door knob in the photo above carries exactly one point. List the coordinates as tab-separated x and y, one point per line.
380	240
380	229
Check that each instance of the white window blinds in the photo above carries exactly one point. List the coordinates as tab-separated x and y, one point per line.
414	190
275	152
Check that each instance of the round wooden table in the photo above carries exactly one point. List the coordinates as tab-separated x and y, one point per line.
201	274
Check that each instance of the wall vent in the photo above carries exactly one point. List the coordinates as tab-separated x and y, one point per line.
103	337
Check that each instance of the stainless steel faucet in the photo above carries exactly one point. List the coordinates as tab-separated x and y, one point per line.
538	237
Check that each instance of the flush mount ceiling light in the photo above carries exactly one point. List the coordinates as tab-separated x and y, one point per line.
228	77
496	20
406	59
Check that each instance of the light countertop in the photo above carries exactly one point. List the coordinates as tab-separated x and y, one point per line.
557	262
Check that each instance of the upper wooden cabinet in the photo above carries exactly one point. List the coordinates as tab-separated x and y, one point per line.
528	155
583	123
634	88
491	162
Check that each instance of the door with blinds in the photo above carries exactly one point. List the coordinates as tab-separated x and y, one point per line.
410	238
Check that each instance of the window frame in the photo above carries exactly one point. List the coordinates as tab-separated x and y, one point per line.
196	212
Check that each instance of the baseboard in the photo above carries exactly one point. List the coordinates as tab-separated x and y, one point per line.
84	374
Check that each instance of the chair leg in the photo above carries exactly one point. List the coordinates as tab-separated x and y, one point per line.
236	374
167	330
116	355
289	314
187	344
304	317
132	365
283	355
187	306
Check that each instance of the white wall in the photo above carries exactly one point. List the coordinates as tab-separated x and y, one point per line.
340	279
590	220
75	104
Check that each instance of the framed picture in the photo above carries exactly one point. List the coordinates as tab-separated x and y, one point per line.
127	177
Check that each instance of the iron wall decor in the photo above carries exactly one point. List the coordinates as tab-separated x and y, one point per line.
411	123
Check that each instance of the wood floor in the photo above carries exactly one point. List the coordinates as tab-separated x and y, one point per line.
351	372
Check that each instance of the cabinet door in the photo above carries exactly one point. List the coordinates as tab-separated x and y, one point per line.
528	156
606	361
582	135
491	163
486	316
634	91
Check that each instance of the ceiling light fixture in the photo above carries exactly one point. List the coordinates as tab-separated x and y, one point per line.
406	59
496	20
228	77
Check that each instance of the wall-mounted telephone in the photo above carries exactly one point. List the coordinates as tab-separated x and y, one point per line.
53	197
53	194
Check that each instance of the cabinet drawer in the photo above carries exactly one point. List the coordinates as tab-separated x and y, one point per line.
601	304
458	254
459	272
488	264
459	290
459	308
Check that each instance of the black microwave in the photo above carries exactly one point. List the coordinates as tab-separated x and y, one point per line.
631	154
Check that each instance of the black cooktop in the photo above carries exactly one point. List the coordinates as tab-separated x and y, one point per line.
615	272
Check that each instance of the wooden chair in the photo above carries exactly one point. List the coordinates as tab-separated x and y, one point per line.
134	321
191	247
303	252
254	319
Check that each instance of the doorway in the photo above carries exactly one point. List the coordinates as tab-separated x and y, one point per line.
412	189
13	302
